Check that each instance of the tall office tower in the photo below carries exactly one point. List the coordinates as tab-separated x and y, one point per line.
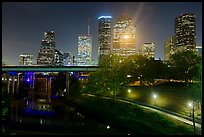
148	49
185	32
58	60
84	50
104	36
26	59
124	36
47	50
168	48
67	59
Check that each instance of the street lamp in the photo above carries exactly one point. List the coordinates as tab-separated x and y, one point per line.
154	97
108	127
129	90
191	106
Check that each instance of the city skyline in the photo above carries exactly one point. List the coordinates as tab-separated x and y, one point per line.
24	24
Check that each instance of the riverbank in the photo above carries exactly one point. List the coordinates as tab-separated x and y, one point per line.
130	117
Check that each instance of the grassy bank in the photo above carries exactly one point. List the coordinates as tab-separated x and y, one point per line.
172	97
130	117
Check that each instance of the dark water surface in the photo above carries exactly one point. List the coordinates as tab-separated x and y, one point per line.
42	116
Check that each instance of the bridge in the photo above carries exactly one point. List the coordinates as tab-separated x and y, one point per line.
15	71
49	68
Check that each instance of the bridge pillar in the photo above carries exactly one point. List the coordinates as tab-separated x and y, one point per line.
67	83
17	83
33	80
13	84
8	82
49	80
11	116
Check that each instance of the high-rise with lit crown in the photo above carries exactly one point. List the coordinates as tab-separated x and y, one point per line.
124	36
104	36
185	32
46	54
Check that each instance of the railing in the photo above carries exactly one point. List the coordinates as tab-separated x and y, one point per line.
49	68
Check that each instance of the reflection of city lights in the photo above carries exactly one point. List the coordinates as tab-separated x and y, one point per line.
28	80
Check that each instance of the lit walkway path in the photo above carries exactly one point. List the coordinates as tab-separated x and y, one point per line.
158	110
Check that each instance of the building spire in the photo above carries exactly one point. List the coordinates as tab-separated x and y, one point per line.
88	26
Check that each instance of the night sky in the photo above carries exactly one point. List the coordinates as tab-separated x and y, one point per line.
24	24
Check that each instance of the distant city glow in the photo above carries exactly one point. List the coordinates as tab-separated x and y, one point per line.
106	12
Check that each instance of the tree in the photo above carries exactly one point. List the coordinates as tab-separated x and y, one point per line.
185	64
59	83
116	72
151	69
75	86
110	77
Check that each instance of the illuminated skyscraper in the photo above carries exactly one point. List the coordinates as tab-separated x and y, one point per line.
168	48
84	50
47	50
148	49
124	37
185	34
104	36
26	59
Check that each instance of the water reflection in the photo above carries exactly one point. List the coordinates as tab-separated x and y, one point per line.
36	114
